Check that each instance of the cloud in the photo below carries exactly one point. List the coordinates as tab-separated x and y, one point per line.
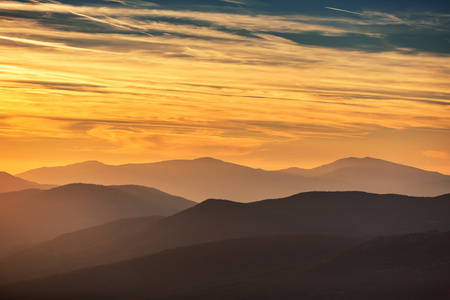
436	154
48	44
25	127
210	78
142	140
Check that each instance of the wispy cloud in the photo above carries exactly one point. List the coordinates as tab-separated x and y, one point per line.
48	44
436	154
139	78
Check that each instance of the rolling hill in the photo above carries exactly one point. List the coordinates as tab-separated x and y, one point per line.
10	183
353	214
186	267
414	266
204	178
33	216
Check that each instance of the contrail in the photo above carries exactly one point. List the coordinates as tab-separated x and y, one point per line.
48	44
347	11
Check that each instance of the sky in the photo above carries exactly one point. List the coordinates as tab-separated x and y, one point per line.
263	83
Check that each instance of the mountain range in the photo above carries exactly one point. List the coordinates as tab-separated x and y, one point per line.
356	215
110	232
414	266
204	178
32	216
10	183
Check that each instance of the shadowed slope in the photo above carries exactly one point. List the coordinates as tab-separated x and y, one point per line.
338	213
10	183
28	217
414	266
92	246
182	268
406	267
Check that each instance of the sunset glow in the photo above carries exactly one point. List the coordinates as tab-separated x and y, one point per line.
133	81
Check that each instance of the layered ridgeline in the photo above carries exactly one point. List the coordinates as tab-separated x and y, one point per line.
204	178
415	266
352	214
32	216
10	183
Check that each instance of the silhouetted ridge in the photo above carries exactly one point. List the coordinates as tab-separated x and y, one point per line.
208	159
35	217
357	214
83	248
90	163
10	183
183	268
207	177
307	267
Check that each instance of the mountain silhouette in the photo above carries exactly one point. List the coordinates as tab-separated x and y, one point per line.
183	268
204	178
10	183
353	214
376	176
34	215
414	266
197	179
92	246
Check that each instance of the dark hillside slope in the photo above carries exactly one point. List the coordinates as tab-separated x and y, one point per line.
360	213
187	268
354	214
211	220
88	247
406	267
35	217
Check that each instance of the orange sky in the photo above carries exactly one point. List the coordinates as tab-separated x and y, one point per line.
265	101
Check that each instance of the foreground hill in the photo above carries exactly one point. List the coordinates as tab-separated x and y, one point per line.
92	246
34	215
354	214
204	178
10	183
186	267
415	266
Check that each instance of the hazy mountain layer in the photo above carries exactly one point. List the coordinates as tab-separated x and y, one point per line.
354	214
186	267
415	266
34	215
10	183
205	178
92	246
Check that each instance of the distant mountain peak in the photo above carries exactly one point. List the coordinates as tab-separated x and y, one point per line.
208	159
10	183
355	161
353	158
91	163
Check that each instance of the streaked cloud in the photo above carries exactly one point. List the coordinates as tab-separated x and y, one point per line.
47	44
436	154
129	78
